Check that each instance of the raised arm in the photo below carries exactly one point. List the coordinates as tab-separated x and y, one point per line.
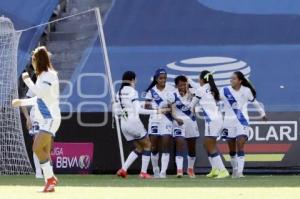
38	90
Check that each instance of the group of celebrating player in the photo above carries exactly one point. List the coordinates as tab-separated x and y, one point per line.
173	113
172	116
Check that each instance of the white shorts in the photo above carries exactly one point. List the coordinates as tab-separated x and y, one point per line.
236	131
160	127
49	126
188	130
213	128
133	129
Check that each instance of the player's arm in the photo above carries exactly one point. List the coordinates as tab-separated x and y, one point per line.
257	106
24	102
137	106
39	90
193	84
24	110
174	115
148	101
260	109
196	99
142	110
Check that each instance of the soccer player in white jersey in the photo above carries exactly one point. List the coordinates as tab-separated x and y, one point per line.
47	113
128	108
32	126
207	96
185	128
160	126
236	120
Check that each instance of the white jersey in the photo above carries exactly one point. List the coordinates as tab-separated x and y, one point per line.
128	102
160	99
209	106
182	105
235	105
129	108
46	101
46	91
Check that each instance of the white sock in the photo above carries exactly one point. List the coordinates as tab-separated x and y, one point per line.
130	159
47	170
191	161
240	163
38	169
233	162
211	162
145	161
179	162
217	161
154	160
165	157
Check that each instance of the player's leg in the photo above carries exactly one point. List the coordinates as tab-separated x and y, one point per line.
180	153
241	141
165	141
153	130
212	153
218	168
146	144
232	152
191	135
41	147
37	166
133	155
191	144
155	143
180	143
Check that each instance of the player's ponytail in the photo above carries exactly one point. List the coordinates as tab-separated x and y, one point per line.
245	82
207	77
154	81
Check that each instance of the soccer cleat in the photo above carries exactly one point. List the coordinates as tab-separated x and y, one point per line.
156	172
162	175
238	175
223	174
51	183
213	173
122	173
191	173
179	173
145	176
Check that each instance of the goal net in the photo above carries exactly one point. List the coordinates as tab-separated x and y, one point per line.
79	55
13	154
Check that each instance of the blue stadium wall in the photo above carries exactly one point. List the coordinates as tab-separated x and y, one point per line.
260	38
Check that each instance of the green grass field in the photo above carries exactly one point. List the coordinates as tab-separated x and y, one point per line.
111	187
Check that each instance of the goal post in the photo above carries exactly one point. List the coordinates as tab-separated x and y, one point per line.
13	155
79	53
109	78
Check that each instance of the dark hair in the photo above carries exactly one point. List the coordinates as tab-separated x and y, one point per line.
126	78
156	75
245	82
180	78
207	77
42	59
